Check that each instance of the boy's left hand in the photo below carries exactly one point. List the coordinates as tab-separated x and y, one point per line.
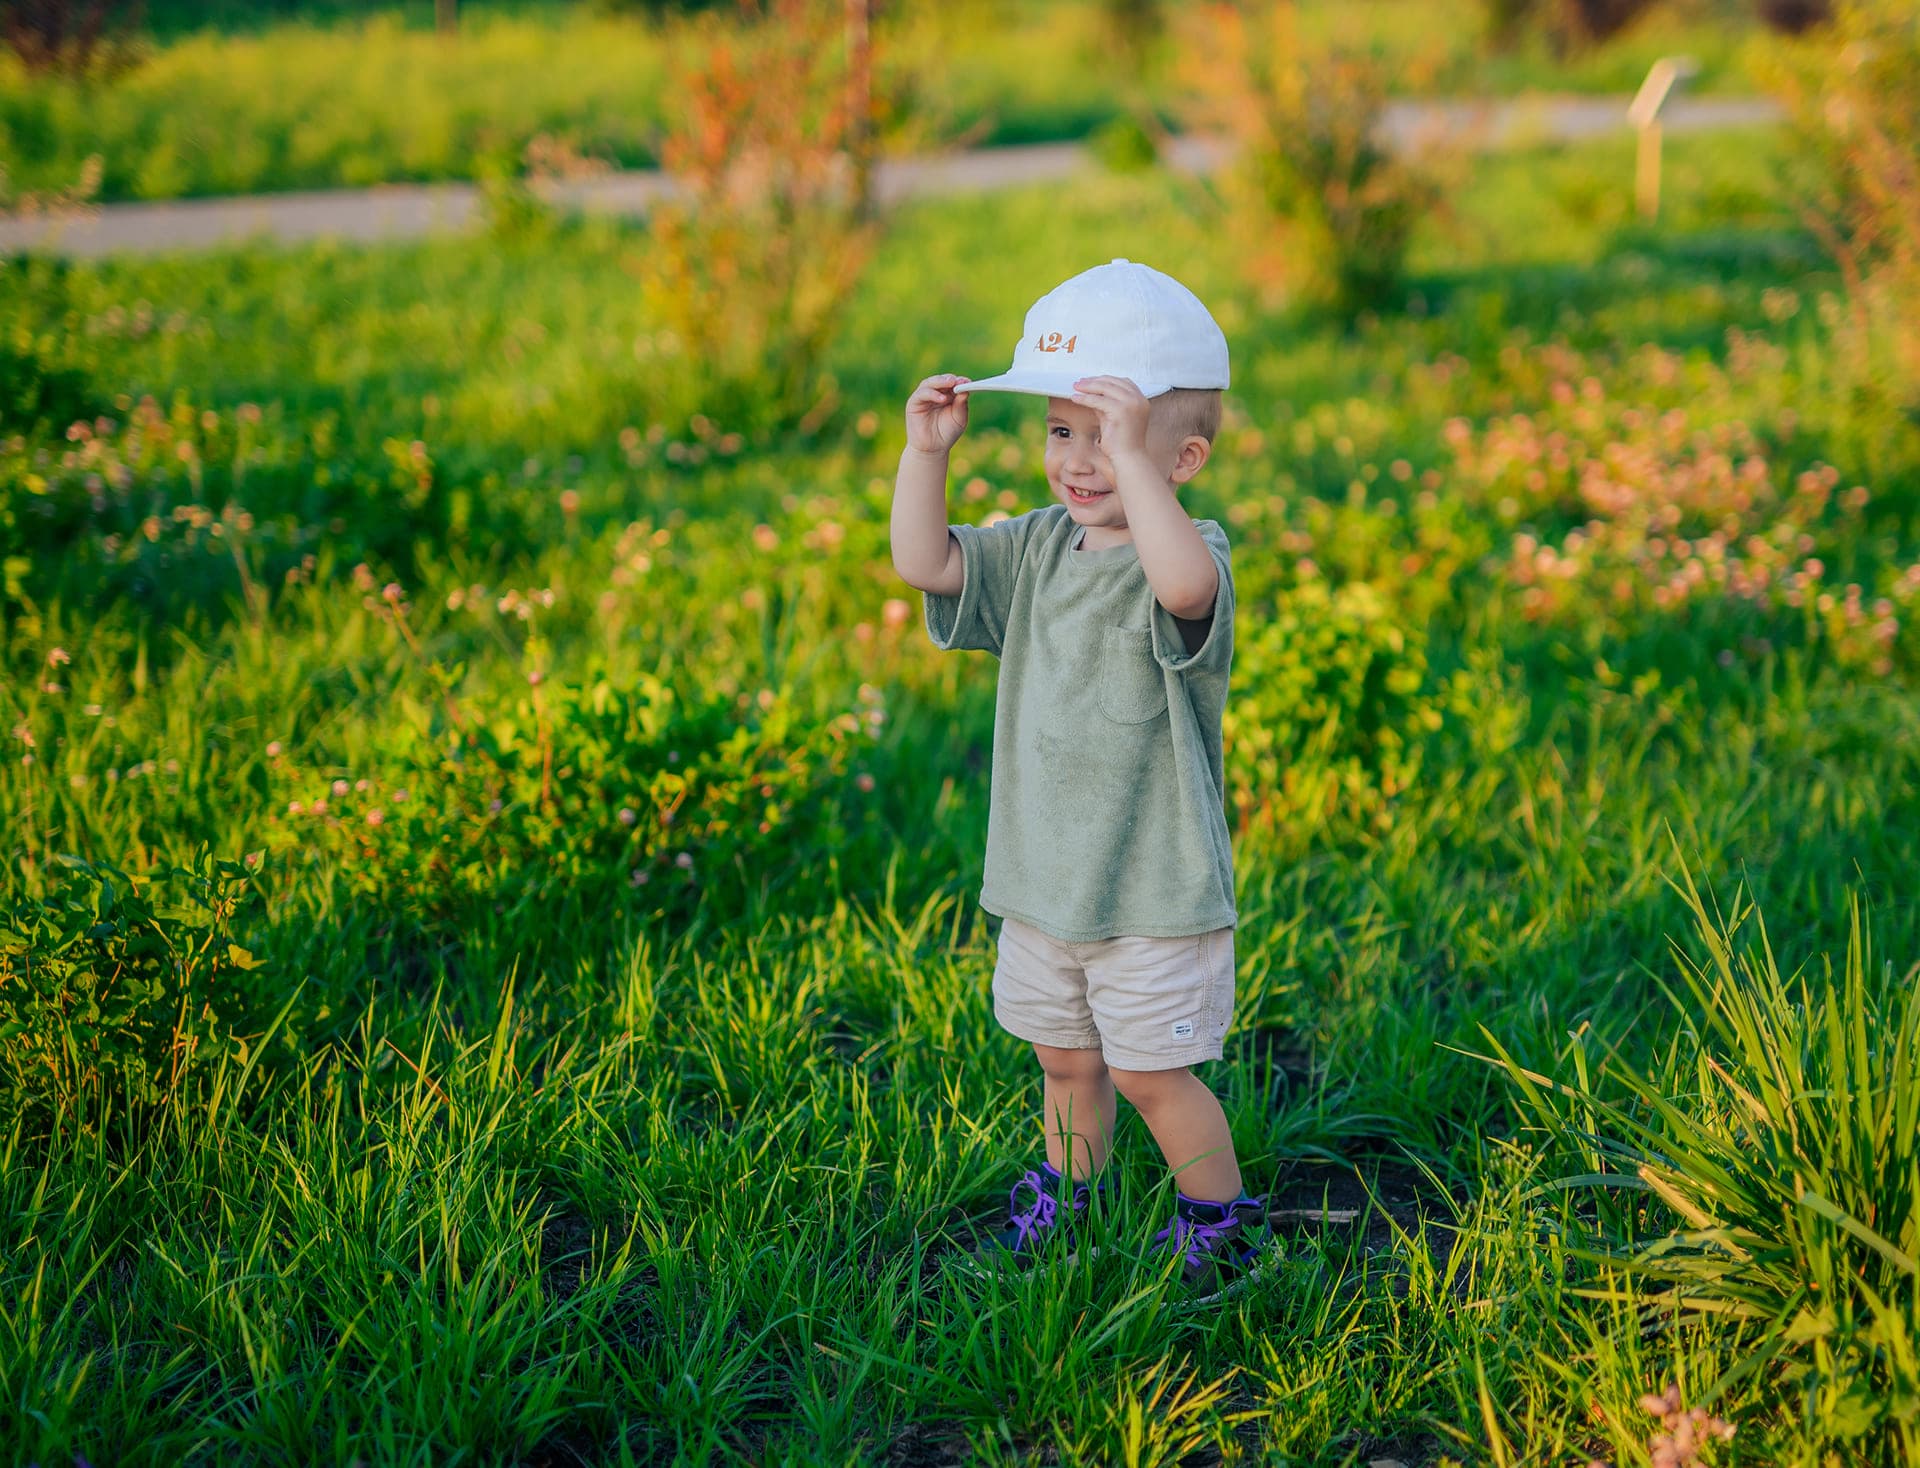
1123	412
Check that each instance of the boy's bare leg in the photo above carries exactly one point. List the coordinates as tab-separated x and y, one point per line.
1076	1099
1186	1120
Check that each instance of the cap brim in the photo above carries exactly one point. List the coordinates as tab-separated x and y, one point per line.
1047	384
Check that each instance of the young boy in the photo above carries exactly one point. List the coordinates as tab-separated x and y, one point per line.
1108	857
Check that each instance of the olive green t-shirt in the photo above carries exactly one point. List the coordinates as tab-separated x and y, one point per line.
1107	809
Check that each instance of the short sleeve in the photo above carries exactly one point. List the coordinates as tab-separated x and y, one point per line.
990	556
1216	653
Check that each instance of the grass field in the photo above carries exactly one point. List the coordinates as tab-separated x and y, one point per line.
602	836
328	96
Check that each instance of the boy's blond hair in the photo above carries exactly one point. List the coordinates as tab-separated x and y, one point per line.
1189	410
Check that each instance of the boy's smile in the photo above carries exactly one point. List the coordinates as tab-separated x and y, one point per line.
1080	473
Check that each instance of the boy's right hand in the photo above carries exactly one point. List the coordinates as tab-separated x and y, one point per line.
936	414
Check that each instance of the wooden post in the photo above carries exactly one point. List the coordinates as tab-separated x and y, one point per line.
1662	77
446	16
1646	173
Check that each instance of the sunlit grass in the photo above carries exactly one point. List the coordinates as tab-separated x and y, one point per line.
542	1160
331	98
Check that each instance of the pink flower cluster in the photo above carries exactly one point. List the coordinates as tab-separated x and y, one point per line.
1668	512
123	475
322	805
1685	1432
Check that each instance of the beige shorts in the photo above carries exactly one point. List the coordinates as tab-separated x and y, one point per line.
1144	1003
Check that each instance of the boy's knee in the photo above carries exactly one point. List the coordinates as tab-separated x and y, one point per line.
1146	1087
1070	1066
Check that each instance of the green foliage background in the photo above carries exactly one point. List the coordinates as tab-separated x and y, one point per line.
322	95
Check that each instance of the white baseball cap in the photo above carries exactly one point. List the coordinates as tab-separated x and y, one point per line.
1122	319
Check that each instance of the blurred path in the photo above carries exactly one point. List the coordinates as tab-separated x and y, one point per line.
403	210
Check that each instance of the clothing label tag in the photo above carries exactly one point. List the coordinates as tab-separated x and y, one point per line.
1183	1029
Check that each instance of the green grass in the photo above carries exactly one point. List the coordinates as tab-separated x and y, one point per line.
538	1163
335	96
1780	1130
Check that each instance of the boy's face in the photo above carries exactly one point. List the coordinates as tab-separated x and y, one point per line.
1075	461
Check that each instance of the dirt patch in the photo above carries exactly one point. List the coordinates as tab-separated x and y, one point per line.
566	1255
565	1450
927	1445
1276	1049
1410	1452
1367	1201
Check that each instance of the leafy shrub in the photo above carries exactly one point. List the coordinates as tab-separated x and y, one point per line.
39	391
347	99
1134	27
67	199
1124	145
1851	92
122	510
512	204
1619	508
155	503
1772	1157
751	265
1328	712
72	36
1323	207
509	209
36	395
590	797
1569	25
1795	16
116	992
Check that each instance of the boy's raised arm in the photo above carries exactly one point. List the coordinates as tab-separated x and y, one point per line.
926	555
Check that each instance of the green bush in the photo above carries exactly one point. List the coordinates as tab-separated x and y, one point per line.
1124	145
1771	1166
1850	90
592	797
751	263
157	505
37	395
115	992
1569	25
1324	208
78	38
1329	710
510	210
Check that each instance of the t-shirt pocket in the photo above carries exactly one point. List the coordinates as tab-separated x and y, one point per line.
1132	687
